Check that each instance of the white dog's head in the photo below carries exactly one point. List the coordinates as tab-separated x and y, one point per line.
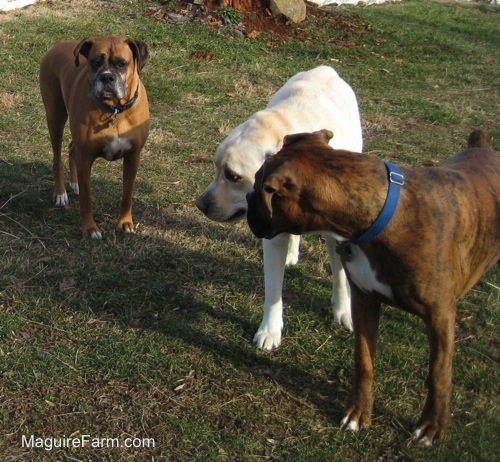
236	161
310	101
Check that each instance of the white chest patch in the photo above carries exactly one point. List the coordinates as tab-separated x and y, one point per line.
363	275
117	148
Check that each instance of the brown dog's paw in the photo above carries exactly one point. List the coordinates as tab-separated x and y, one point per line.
92	231
127	226
61	200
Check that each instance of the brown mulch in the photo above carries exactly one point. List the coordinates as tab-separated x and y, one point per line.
256	18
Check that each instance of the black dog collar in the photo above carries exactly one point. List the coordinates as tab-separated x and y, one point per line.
122	107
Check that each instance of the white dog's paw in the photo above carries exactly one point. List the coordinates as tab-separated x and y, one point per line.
267	339
344	319
349	424
292	254
291	260
342	314
74	187
61	200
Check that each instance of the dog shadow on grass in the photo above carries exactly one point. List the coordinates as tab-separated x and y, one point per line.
180	275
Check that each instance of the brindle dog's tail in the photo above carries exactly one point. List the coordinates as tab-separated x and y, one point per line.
479	139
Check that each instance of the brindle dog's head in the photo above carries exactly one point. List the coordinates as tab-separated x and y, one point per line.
113	63
278	202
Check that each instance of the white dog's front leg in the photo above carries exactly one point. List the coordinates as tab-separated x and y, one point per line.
292	254
341	296
275	257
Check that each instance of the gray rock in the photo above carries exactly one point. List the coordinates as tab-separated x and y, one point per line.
292	10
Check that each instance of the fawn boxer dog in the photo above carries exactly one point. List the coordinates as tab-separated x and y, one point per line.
96	82
309	101
416	238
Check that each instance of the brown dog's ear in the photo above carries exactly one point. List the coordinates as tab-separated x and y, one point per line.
83	48
324	135
140	50
269	188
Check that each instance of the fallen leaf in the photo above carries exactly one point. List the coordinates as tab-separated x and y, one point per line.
253	34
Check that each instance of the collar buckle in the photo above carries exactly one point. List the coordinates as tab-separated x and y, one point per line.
396	178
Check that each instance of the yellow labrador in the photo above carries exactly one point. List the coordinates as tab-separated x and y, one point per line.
313	100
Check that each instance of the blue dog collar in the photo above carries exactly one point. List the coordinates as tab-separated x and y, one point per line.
396	181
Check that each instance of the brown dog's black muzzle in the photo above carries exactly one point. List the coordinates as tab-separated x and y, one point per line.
108	85
107	78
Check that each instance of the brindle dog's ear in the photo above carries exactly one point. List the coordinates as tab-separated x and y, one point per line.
326	135
83	48
269	187
140	50
291	139
479	139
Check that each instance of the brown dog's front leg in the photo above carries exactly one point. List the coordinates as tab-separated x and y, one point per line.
365	315
73	169
432	426
84	167
130	167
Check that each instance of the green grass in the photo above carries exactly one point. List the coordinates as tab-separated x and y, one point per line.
149	335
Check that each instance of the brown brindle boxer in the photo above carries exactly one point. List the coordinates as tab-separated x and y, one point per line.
96	83
441	236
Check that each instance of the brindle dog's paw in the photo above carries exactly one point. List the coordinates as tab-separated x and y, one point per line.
349	423
357	416
428	435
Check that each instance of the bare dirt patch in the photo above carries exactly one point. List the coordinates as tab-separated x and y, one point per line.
251	18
